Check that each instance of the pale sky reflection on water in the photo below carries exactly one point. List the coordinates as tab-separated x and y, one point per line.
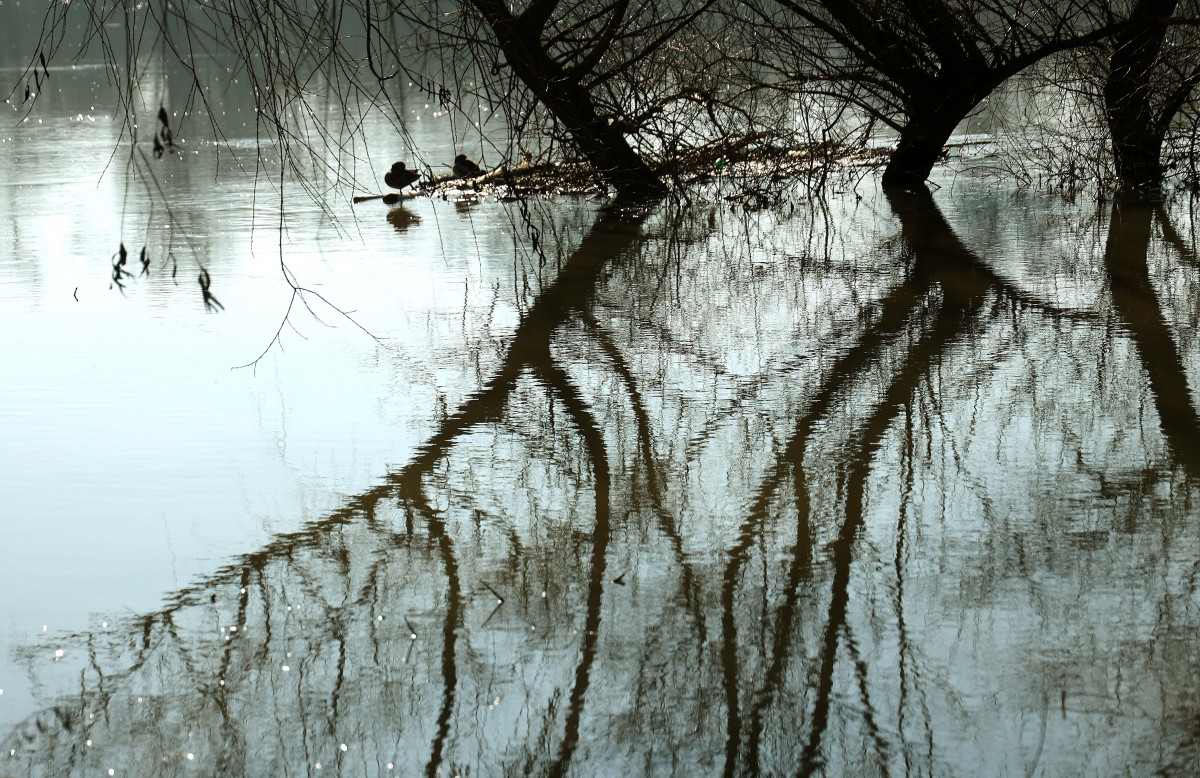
135	458
879	484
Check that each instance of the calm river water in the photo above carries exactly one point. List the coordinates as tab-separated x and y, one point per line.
879	484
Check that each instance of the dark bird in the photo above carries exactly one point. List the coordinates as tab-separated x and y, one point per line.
398	177
465	166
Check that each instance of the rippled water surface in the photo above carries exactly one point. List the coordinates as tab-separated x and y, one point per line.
890	484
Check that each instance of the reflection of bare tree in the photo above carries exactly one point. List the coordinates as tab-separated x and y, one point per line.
944	268
899	551
1137	304
528	353
946	290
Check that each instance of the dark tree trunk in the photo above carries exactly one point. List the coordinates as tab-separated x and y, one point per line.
923	140
941	58
568	100
603	144
1138	164
1137	129
920	146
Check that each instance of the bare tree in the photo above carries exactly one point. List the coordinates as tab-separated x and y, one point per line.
1118	113
1151	77
567	55
921	66
631	88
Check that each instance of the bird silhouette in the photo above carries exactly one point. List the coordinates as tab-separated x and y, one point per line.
465	166
399	177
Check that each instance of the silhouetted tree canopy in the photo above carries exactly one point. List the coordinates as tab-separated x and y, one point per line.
652	94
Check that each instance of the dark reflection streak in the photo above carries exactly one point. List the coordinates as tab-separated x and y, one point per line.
371	593
220	692
102	694
450	626
564	389
729	661
100	698
339	634
1171	235
232	759
484	406
907	468
1041	743
646	446
908	478
894	314
799	569
185	654
147	623
264	593
1137	304
948	327
571	291
864	693
895	311
943	260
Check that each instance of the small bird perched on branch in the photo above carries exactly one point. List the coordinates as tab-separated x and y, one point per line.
399	177
465	166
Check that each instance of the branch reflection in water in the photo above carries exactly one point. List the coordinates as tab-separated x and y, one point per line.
794	509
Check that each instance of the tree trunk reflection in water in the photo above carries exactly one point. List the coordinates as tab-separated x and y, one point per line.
365	639
1136	302
946	287
530	350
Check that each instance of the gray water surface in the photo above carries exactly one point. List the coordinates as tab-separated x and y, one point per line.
875	484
